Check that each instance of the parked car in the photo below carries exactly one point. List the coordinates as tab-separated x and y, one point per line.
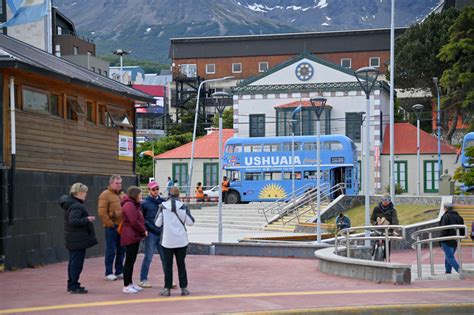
212	193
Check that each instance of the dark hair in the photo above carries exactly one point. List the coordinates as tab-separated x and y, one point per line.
198	184
133	192
341	214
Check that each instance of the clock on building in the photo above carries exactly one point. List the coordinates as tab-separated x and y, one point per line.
304	71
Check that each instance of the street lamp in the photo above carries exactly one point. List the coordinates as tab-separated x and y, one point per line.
221	101
121	53
438	123
196	113
417	108
362	119
318	103
367	76
291	124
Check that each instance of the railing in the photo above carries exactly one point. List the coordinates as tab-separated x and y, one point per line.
282	205
311	201
418	242
390	232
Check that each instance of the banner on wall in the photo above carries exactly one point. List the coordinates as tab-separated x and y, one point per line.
125	146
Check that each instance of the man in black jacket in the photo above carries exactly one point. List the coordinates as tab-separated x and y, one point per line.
449	247
385	213
150	206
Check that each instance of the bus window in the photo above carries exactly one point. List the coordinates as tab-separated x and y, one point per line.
309	146
257	148
270	147
234	148
287	175
247	148
310	175
253	176
233	175
287	146
333	146
272	175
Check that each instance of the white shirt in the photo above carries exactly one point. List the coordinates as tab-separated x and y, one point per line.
174	235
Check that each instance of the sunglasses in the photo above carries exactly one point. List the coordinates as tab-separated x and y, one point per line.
386	199
154	189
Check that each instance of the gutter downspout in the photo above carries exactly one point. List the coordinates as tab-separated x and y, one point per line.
11	199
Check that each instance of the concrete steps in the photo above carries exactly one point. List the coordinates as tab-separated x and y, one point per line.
467	213
305	213
241	217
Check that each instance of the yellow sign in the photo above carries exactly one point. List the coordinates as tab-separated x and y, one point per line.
125	146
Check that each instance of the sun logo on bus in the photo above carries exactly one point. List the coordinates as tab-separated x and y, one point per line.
272	191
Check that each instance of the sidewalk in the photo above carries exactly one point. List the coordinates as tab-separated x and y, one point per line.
221	284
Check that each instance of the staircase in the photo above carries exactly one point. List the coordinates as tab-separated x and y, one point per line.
240	216
289	222
467	212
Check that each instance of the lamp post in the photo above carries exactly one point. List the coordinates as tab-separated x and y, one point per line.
438	123
417	108
196	113
318	103
121	53
362	119
221	101
291	124
367	76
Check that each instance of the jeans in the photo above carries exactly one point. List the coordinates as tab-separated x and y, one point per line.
180	254
130	258
113	250
151	242
74	268
449	260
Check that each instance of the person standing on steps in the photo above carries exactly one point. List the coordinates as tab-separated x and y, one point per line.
450	217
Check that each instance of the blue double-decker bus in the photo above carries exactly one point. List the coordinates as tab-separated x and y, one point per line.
468	141
261	169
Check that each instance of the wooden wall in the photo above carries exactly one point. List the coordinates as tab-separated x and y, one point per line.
50	143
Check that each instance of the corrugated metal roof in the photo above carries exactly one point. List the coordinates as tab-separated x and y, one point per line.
15	53
282	44
206	147
405	141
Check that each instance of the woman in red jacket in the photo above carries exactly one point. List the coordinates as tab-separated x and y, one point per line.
133	231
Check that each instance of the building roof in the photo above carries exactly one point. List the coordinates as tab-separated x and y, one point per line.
17	54
405	141
282	44
206	147
155	79
298	103
155	90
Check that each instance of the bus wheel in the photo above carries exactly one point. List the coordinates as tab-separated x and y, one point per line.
233	197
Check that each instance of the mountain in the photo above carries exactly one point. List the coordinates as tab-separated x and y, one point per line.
145	26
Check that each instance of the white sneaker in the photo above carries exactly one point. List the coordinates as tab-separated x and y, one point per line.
111	277
144	284
129	290
136	287
120	276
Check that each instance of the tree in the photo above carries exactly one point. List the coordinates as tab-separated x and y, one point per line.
227	119
466	175
187	120
458	79
416	51
144	163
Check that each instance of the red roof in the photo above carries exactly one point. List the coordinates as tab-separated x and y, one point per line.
405	141
155	90
296	104
206	147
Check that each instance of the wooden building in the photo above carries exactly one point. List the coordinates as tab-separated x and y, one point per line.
61	124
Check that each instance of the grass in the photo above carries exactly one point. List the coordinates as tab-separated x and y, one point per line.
407	214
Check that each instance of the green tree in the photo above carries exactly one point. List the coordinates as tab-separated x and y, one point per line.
144	162
416	51
458	79
186	123
227	119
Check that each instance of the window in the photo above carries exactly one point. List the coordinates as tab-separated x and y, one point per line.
119	117
211	175
401	175
180	173
234	148
210	68
270	147
105	73
36	100
76	50
272	176
431	175
253	176
91	114
73	108
236	68
346	62
257	125
309	146
59	30
289	175
57	50
263	66
55	105
332	146
305	121
353	126
374	62
188	70
287	146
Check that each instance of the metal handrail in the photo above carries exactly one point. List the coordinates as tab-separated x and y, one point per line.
418	242
325	196
397	231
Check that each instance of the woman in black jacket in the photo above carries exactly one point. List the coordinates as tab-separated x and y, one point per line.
78	233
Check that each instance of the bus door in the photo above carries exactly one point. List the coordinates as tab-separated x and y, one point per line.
338	175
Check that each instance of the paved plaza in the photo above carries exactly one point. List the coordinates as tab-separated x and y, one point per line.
229	284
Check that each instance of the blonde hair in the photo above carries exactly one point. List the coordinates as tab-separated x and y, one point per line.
174	191
77	188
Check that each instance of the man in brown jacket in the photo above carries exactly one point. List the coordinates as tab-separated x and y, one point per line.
110	212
